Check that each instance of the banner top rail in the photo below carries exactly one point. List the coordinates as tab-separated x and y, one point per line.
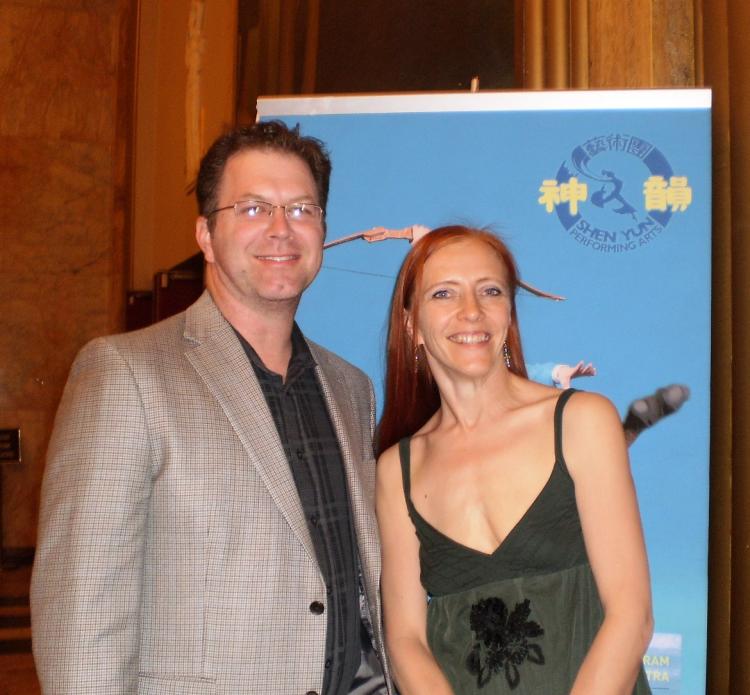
426	102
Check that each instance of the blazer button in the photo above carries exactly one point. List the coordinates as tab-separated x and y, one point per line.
317	607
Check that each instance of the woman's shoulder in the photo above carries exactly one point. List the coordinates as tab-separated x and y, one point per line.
590	408
390	455
389	466
591	432
532	401
391	483
579	404
530	393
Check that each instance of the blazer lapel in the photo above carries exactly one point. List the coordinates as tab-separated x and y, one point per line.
360	482
218	358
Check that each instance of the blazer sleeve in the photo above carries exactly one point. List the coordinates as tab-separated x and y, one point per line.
87	578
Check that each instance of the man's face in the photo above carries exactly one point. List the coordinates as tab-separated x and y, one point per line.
268	262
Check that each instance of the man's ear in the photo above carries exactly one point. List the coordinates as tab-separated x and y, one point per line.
204	238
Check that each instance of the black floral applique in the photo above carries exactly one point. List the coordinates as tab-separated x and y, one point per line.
502	640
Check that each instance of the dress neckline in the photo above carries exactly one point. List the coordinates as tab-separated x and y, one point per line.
475	551
558	466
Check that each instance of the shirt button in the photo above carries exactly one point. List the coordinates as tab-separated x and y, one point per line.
311	692
317	607
328	663
314	518
300	454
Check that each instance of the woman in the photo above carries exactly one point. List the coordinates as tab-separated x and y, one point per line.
528	541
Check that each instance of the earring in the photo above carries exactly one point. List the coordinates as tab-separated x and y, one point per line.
507	357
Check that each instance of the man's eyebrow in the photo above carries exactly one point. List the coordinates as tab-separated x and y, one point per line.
301	198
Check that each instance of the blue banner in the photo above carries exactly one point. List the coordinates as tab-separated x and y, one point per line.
604	198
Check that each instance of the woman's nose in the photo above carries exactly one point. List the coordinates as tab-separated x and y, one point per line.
470	308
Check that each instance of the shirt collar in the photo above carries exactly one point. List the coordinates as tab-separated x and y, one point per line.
300	360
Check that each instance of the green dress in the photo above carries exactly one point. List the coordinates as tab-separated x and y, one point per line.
521	619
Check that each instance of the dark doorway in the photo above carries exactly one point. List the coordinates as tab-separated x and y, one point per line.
345	46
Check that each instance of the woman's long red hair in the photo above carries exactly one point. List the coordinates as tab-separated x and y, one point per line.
411	395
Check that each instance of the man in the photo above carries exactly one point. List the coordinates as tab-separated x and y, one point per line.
207	521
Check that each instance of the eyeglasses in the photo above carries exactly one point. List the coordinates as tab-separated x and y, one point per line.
258	211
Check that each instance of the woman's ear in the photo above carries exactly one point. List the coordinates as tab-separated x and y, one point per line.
410	329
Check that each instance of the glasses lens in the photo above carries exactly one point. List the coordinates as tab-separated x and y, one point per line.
302	212
253	210
260	211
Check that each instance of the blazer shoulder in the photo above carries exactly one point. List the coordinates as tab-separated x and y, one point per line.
330	360
143	349
198	319
157	338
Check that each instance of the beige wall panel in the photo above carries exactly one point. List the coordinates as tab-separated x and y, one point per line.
164	208
533	42
557	38
620	53
674	28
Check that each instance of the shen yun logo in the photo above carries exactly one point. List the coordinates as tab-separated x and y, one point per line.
616	193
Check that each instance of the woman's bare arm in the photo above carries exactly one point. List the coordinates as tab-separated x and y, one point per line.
404	601
596	455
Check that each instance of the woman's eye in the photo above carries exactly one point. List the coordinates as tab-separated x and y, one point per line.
493	291
440	294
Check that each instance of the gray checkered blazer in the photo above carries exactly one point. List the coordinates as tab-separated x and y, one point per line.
173	554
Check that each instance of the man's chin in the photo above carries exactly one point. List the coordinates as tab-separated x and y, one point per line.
281	299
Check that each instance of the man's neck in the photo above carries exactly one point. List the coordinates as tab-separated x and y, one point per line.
267	326
272	342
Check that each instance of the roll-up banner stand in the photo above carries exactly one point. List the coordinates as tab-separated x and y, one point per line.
604	198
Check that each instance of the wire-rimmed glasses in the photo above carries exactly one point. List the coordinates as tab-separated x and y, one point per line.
260	211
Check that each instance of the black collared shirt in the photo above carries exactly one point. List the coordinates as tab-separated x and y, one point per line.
301	416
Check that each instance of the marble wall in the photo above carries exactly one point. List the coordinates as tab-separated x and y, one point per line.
66	75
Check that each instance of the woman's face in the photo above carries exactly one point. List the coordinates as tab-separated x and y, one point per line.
464	309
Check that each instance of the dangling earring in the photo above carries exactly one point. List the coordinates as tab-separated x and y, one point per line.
506	354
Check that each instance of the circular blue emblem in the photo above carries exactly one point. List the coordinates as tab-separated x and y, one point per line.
616	193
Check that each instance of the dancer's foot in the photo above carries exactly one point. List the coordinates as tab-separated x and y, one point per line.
646	412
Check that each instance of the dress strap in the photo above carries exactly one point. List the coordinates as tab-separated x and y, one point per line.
562	399
404	456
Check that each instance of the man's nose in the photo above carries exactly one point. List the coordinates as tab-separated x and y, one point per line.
279	224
